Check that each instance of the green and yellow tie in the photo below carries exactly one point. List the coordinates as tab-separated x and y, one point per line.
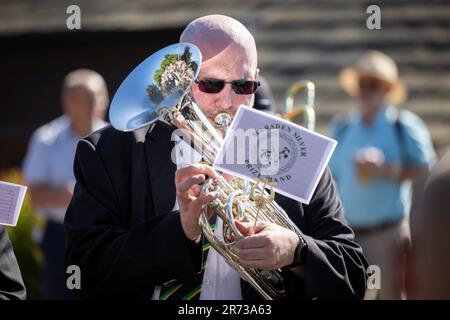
175	290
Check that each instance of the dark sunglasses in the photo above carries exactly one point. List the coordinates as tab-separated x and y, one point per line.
369	83
239	86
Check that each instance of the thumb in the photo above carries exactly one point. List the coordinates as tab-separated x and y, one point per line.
244	227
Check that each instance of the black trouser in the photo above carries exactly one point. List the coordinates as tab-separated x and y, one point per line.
54	275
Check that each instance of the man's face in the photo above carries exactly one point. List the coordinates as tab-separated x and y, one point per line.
229	65
78	104
372	92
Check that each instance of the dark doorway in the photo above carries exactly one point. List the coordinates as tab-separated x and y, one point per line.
33	67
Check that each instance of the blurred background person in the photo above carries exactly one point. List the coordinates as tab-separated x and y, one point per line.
48	167
429	259
381	150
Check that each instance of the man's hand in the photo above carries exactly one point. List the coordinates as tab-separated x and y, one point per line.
270	247
369	162
369	169
44	195
190	199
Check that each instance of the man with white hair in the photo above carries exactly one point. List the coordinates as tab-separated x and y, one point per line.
48	166
132	225
381	150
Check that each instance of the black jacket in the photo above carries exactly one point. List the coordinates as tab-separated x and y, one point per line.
125	239
11	283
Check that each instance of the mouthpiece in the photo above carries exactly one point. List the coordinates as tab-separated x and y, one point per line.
223	121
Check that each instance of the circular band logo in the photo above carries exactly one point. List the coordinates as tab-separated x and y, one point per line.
277	150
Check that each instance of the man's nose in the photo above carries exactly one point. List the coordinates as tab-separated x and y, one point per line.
225	100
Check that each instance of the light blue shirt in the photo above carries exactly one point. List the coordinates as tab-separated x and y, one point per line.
380	200
50	158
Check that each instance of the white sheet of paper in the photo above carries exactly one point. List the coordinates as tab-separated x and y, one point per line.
299	155
11	200
185	155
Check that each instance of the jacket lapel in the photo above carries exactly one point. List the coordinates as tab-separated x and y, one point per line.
158	149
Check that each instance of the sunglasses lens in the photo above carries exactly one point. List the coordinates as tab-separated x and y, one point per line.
211	85
239	86
368	84
245	87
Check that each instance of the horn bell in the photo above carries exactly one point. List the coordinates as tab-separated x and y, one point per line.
143	98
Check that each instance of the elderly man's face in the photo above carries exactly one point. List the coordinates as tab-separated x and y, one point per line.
231	64
372	92
78	105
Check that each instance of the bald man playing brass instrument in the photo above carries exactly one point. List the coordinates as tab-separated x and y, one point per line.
132	224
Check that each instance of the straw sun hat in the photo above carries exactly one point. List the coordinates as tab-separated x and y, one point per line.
377	65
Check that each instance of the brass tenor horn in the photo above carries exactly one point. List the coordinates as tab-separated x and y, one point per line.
158	89
303	113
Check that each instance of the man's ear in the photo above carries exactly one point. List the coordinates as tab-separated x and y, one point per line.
257	74
63	102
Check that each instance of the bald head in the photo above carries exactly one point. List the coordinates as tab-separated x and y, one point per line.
218	34
228	54
84	99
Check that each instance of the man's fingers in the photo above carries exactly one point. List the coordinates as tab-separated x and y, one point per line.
195	191
251	254
253	242
188	171
204	200
246	228
183	187
209	171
